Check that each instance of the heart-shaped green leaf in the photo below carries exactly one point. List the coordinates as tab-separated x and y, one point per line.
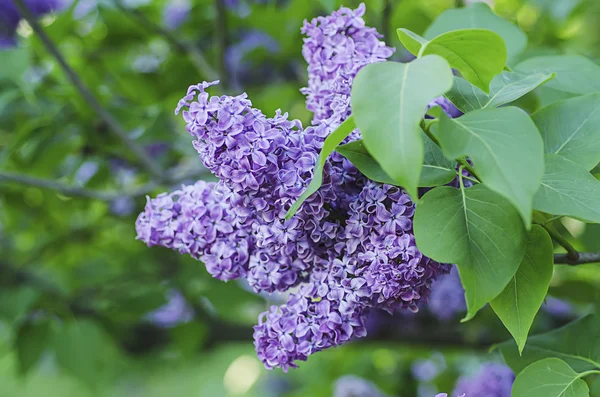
574	73
520	301
504	88
476	229
479	54
570	129
505	147
577	343
550	377
568	189
479	15
388	102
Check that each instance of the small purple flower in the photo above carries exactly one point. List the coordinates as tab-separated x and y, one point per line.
492	380
354	386
175	13
447	297
174	312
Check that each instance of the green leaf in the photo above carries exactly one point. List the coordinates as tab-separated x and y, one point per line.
15	61
479	54
16	301
476	229
504	88
568	189
577	343
520	301
505	147
437	169
570	129
550	377
84	350
581	291
331	142
32	340
388	103
479	15
574	73
358	155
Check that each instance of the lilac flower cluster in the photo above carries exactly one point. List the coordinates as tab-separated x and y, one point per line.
349	248
447	297
354	386
10	16
492	380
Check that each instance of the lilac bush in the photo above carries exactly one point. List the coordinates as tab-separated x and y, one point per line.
348	249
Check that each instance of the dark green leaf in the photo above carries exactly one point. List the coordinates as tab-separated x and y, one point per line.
479	54
32	340
550	377
16	301
505	147
577	343
437	169
570	129
332	141
476	229
568	189
84	350
388	103
520	301
575	290
574	73
358	155
15	61
479	15
504	88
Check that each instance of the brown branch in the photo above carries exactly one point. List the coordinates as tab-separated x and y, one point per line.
114	125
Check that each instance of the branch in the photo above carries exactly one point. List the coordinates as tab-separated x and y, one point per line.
197	57
572	253
114	125
221	36
583	258
74	191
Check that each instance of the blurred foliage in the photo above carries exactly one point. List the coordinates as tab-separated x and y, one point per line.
76	287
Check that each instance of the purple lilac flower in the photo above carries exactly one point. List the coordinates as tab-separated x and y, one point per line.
447	106
10	17
492	380
349	248
447	297
354	386
558	307
175	13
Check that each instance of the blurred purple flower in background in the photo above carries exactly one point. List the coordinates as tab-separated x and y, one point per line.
10	17
235	55
354	386
175	312
558	307
447	297
175	13
492	380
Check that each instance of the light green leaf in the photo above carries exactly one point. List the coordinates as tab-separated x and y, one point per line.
437	169
520	301
476	229
550	377
504	88
84	350
505	147
577	343
570	129
568	189
14	62
388	103
358	155
331	142
479	54
479	15
574	73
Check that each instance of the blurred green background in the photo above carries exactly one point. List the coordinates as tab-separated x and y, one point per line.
85	309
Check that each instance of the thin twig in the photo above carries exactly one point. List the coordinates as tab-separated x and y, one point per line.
75	191
221	37
560	239
194	53
583	258
114	125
